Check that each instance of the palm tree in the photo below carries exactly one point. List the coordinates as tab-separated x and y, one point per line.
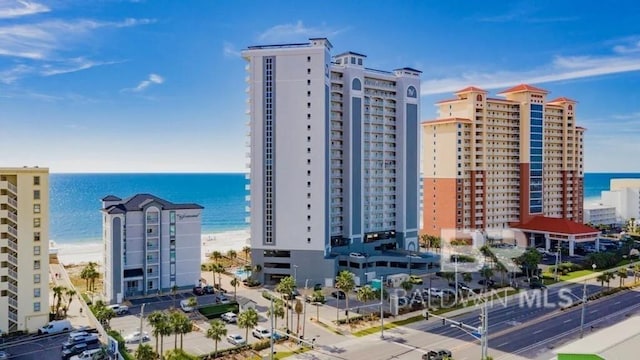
467	277
234	282
256	270
103	313
57	294
174	292
70	294
285	288
185	326
622	275
366	294
192	302
216	256
406	285
219	269
216	332
232	255
157	320
636	272
346	283
246	250
145	352
212	268
602	278
247	319
298	309
174	321
278	312
610	276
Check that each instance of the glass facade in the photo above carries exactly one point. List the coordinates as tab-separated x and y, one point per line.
535	160
269	148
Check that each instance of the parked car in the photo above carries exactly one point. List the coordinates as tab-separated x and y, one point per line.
339	294
78	349
208	289
415	279
93	354
317	287
56	326
315	298
236	339
229	317
437	355
433	292
198	290
184	305
403	301
461	286
88	339
260	332
135	337
221	299
414	256
357	255
119	309
487	282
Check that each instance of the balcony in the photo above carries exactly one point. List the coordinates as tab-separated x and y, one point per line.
13	274
13	288
13	316
12	245
5	185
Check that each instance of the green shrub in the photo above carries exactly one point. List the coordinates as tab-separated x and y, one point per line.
121	344
261	345
214	311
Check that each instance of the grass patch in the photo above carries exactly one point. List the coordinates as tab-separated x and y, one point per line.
575	275
214	311
285	354
374	330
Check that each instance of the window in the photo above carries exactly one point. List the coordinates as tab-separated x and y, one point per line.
36	236
36	306
36	265
172	216
353	60
150	285
36	278
36	194
359	61
36	250
36	292
308	71
308	58
308	93
172	230
36	222
36	180
36	208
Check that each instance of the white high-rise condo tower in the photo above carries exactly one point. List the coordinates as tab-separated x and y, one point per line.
334	179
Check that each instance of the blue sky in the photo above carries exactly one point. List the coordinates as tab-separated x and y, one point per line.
158	86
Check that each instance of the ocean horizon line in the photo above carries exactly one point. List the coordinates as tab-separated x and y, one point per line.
147	173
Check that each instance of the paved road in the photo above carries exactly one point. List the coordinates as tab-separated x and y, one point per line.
36	347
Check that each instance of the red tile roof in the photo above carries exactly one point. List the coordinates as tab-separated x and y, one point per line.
469	89
562	99
448	100
556	225
524	87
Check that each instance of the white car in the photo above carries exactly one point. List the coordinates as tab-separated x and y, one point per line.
184	305
432	292
134	337
119	309
229	317
223	299
4	355
357	255
236	339
261	333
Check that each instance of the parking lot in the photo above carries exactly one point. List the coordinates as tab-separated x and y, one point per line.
35	347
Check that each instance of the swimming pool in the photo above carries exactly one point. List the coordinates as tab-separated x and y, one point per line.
242	274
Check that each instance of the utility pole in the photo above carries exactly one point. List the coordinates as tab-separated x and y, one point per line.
382	307
141	318
271	325
484	333
304	318
584	304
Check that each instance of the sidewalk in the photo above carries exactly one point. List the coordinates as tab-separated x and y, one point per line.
77	318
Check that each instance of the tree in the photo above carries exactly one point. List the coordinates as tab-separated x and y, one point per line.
257	269
158	321
219	269
448	275
486	272
406	285
298	309
234	282
57	290
285	288
174	321
90	274
467	277
216	256
145	352
70	294
184	326
216	332
529	261
174	292
622	275
192	302
346	283
247	319
603	277
366	294
278	312
610	276
212	268
232	255
246	250
103	313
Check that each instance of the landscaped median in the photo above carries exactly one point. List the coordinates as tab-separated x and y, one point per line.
440	311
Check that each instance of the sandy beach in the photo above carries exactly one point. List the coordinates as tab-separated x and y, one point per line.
92	251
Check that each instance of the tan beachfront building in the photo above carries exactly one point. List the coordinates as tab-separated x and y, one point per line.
24	244
494	163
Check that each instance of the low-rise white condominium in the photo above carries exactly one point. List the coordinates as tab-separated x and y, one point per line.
151	245
334	180
24	248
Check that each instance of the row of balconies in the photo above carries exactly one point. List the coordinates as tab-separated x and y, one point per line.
6	185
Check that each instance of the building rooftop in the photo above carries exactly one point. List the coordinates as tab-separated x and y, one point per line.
139	201
562	100
470	89
349	53
555	225
446	120
522	88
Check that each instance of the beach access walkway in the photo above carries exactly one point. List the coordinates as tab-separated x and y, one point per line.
77	312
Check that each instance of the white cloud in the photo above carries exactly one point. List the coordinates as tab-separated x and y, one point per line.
153	79
230	51
13	9
559	69
73	65
297	31
11	75
632	46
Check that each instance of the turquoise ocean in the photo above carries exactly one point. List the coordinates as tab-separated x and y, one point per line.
75	199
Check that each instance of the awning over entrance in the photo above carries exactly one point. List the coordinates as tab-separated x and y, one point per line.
558	229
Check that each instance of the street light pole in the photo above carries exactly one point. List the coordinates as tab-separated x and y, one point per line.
271	324
141	324
382	307
584	304
456	278
295	275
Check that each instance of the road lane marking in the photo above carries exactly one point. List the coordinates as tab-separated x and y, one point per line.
568	320
616	303
593	311
503	344
537	332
